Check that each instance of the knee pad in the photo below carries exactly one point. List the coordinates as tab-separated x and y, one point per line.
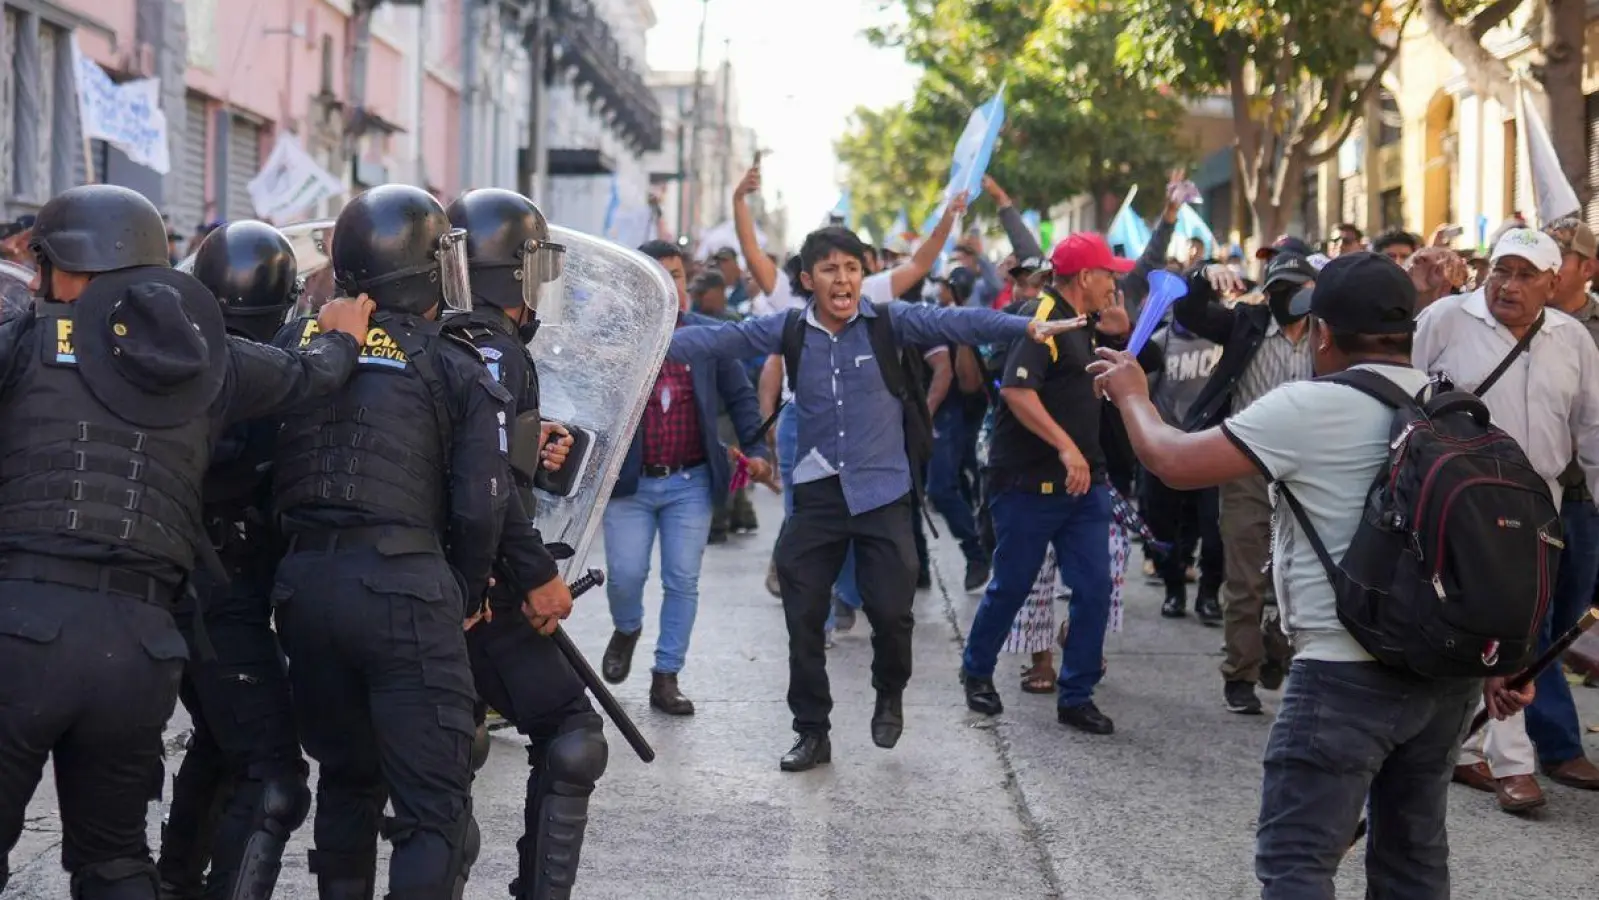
573	761
480	747
115	879
285	801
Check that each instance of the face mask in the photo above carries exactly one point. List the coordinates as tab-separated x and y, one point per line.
1279	299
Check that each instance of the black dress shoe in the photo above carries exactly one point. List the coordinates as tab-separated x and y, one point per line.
1085	717
977	572
811	750
981	695
924	579
665	696
1208	608
1271	674
618	659
1175	607
888	721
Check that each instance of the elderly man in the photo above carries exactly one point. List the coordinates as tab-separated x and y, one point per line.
1546	396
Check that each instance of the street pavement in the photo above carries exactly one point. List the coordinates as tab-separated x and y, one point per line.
965	807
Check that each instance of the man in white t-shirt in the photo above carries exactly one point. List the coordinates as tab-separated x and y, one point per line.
1348	728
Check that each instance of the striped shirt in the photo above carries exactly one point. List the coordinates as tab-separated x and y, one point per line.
1278	361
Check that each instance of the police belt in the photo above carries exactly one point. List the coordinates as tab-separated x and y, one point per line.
387	540
88	576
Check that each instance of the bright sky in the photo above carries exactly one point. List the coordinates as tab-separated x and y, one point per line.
798	74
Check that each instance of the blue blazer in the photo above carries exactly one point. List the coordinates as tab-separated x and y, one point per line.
721	380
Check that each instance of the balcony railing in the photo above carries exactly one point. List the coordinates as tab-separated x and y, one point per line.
582	40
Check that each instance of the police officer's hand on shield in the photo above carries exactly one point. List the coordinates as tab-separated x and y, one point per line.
547	605
351	316
552	453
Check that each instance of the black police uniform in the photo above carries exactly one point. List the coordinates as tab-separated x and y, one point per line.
241	789
109	406
519	672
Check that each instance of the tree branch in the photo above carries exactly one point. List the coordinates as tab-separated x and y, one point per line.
1486	20
1487	74
1243	126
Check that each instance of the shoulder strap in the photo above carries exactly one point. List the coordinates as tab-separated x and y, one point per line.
1374	386
880	328
1310	534
421	356
793	343
1504	364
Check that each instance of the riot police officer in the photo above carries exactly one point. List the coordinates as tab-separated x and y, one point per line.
241	790
520	673
392	498
112	391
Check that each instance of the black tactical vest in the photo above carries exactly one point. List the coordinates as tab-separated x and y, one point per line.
375	447
509	363
71	467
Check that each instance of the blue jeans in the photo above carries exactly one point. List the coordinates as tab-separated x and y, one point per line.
1552	718
944	476
787	450
1353	736
1025	524
678	507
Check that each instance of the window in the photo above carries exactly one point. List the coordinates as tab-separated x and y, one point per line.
40	153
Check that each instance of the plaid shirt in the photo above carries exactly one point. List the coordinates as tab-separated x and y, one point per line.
671	421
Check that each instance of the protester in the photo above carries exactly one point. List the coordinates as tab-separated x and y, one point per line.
1046	482
672	478
863	435
969	255
1436	272
1264	345
950	431
726	260
1348	728
1547	398
1347	238
1398	245
14	237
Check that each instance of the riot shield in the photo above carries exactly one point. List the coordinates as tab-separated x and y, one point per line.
15	298
597	362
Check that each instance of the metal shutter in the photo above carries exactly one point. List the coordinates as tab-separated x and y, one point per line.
188	208
244	162
1591	213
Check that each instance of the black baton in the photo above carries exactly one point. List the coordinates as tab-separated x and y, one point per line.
619	717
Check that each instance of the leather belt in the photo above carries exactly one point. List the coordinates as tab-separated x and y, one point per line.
88	576
388	540
668	471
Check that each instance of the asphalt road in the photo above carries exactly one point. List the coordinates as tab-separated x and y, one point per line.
965	807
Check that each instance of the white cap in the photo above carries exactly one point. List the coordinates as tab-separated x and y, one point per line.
1533	246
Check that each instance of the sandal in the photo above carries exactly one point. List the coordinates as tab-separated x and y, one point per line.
1039	680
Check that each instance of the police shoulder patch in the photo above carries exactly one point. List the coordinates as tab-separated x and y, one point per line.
490	353
465	344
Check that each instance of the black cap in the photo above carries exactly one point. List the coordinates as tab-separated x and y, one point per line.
1288	268
1361	293
1284	244
961	282
14	228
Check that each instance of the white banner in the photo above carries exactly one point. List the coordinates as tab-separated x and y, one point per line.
1551	191
291	182
127	116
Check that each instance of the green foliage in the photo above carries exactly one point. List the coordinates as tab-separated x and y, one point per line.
1076	121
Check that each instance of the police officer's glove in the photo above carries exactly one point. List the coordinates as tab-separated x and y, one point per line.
547	605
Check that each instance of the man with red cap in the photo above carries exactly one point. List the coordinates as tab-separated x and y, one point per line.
1046	482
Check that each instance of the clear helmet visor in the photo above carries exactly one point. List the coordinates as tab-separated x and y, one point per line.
454	280
543	279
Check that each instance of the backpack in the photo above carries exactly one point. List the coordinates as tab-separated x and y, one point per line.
1450	570
904	374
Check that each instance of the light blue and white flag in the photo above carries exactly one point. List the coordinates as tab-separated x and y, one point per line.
1127	234
976	147
1190	226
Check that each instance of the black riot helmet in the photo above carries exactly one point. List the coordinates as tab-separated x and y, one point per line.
508	247
98	228
250	268
395	244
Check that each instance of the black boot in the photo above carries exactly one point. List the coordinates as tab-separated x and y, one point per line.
811	750
977	572
1208	607
199	794
1176	603
981	695
344	877
888	721
665	696
618	659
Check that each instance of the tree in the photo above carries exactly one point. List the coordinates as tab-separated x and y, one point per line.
1558	29
1297	72
1076	121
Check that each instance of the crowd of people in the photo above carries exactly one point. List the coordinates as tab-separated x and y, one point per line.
168	443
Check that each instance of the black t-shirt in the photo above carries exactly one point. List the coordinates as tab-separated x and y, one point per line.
1067	391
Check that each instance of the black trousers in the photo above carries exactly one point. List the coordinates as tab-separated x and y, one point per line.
383	698
91	679
809	554
521	674
244	736
1188	521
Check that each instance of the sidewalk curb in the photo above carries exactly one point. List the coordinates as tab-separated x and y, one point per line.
1034	828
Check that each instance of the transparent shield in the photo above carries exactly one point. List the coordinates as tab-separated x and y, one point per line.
543	287
454	279
596	365
15	297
